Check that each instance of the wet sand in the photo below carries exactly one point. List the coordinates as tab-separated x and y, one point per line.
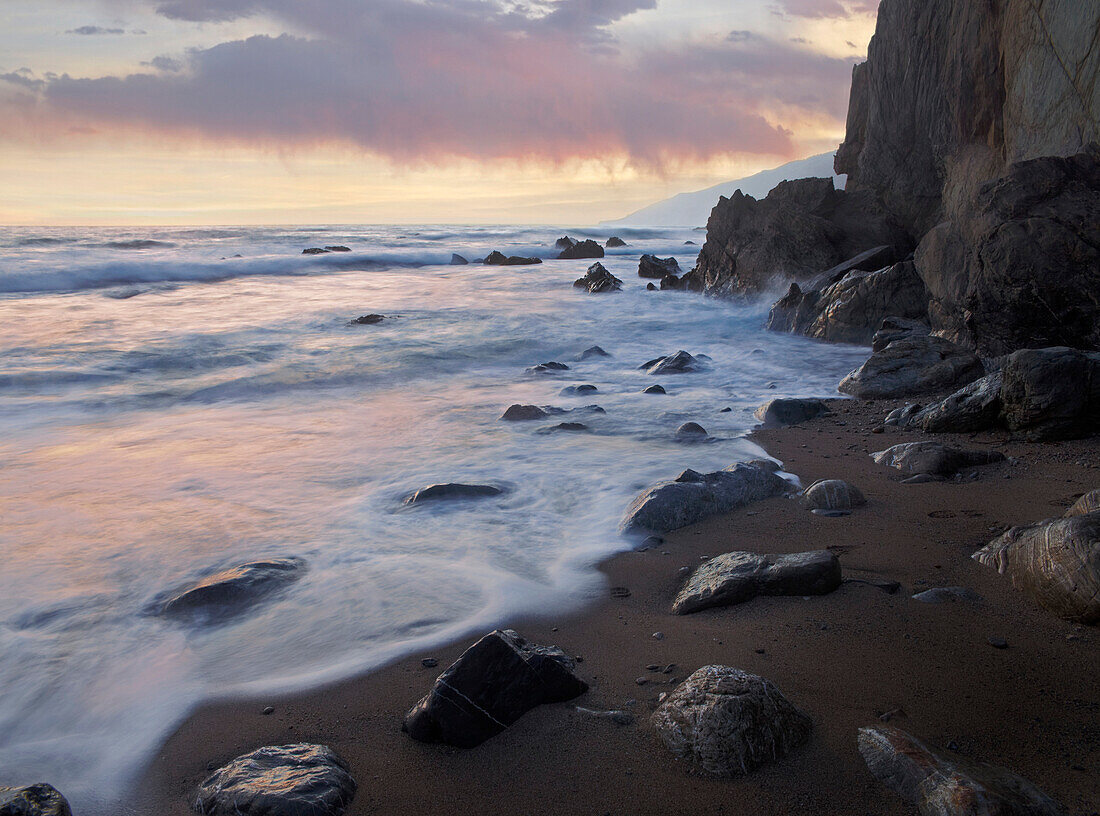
846	659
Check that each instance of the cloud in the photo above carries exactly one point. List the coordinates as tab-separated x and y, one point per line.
92	30
826	8
437	79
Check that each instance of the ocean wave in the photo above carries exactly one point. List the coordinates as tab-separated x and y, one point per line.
139	243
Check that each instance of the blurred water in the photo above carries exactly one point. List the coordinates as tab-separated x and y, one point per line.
164	413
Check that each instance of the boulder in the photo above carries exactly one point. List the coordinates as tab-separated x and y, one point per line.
678	363
671	283
564	426
368	319
691	431
614	241
728	722
491	685
934	458
655	389
777	413
903	417
1057	562
832	494
496	258
338	248
458	260
232	591
941	784
315	251
33	800
973	407
1051	393
564	242
913	365
737	577
548	368
284	780
896	328
576	390
590	352
451	491
1089	503
523	413
598	280
671	505
650	266
582	249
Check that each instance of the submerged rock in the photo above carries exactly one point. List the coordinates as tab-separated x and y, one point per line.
229	592
523	413
679	363
691	431
315	251
582	249
655	389
671	505
551	367
942	784
1057	562
933	458
491	685
284	780
650	266
913	365
780	412
338	248
450	491
598	280
727	722
590	352
33	800
737	577
458	260
576	390
564	426
496	258
832	494
368	319
672	283
614	241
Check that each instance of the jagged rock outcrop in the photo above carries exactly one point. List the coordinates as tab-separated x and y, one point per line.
650	266
581	249
496	258
598	280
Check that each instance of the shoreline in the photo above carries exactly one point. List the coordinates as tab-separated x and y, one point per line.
844	658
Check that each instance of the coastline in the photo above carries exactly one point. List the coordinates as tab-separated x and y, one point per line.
844	658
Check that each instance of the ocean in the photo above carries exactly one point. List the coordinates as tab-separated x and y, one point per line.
175	401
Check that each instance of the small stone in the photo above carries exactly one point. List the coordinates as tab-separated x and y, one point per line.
658	635
652	667
641	681
269	710
620	592
655	389
429	662
831	513
998	643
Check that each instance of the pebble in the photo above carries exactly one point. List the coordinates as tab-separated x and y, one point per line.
668	669
652	667
759	651
618	592
998	643
658	635
878	429
269	710
820	511
641	681
429	662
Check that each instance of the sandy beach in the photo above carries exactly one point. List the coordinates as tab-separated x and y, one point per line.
849	659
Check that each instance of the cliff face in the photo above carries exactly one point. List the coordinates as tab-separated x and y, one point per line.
953	91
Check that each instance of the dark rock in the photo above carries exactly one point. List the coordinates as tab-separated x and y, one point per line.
592	351
671	505
598	280
922	478
825	512
495	258
551	367
268	710
655	389
650	266
974	407
941	784
564	242
314	251
583	249
897	328
33	800
564	426
1089	503
521	413
737	577
832	494
689	243
285	780
1057	562
671	283
489	687
368	319
338	248
574	390
650	287
934	458
451	491
1051	393
614	241
780	412
903	417
911	366
458	260
429	662
232	591
691	430
679	363
616	716
997	642
727	722
939	595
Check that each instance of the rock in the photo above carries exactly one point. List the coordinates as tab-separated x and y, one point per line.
650	266
489	687
832	494
495	258
615	716
679	363
728	722
997	642
737	577
230	592
801	228
655	389
590	352
33	800
598	280
564	426
523	413
776	413
551	367
671	505
941	784
938	595
671	283
314	251
338	248
821	511
429	662
369	319
650	287
1057	562
911	366
564	242
1051	393
851	309
896	328
973	407
284	780
691	430
575	390
451	491
614	241
1089	503
921	478
903	417
458	260
583	249
933	458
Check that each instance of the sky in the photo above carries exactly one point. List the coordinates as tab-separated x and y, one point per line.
407	111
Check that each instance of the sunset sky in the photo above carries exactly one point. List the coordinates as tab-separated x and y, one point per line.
386	111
